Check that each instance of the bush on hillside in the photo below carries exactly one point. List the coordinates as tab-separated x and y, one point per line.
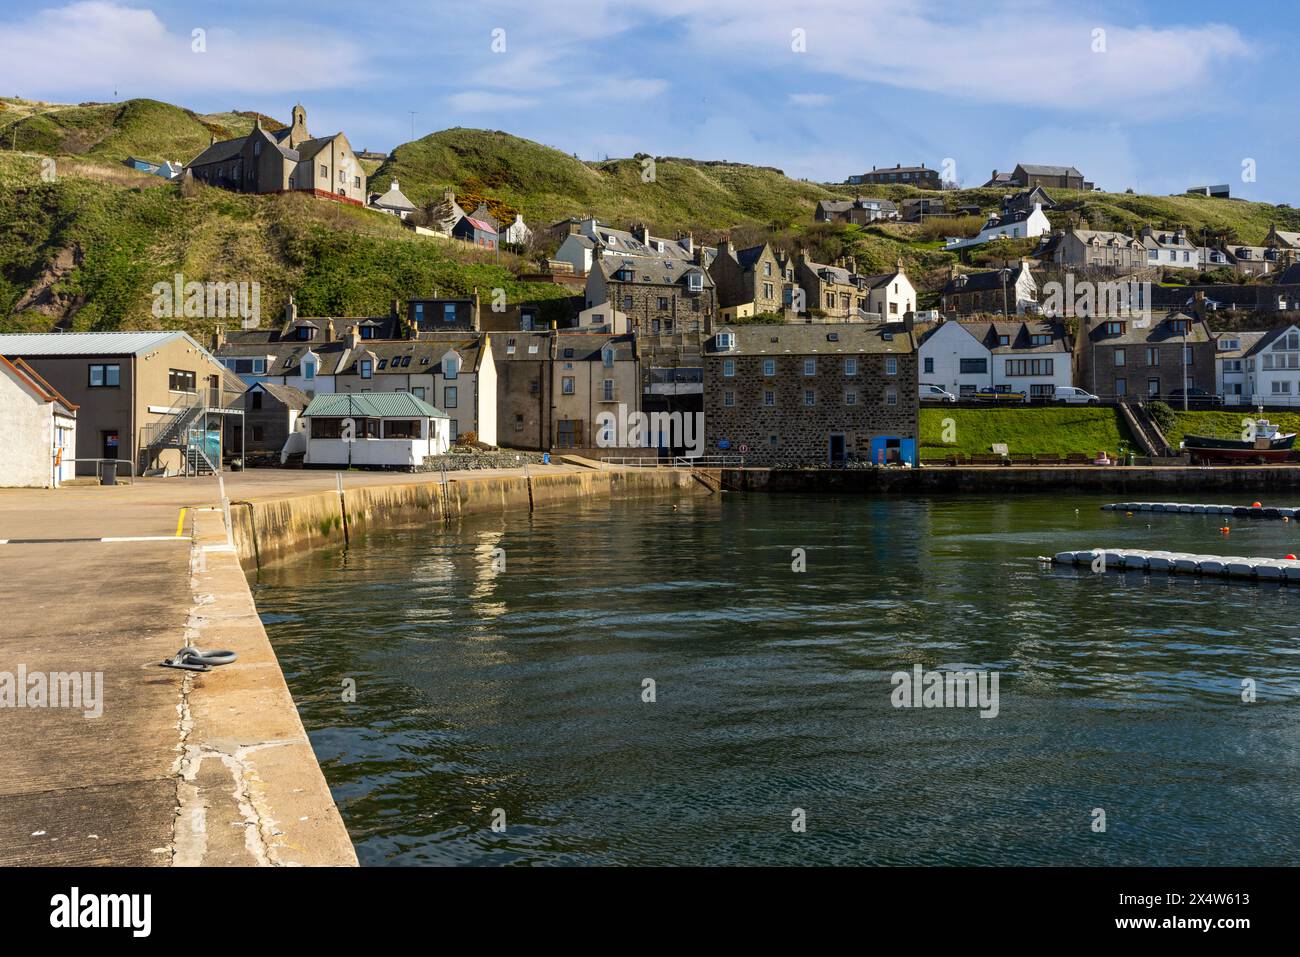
1163	416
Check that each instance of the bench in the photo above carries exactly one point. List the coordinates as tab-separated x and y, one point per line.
1021	458
1048	458
1078	458
986	458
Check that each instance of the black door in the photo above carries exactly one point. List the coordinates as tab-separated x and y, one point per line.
837	450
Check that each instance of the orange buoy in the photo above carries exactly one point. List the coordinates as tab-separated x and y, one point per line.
1224	529
1290	558
1128	514
1256	505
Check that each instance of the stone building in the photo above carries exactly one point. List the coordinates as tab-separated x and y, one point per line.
900	175
751	281
812	394
836	291
991	292
287	160
1089	248
658	295
1141	358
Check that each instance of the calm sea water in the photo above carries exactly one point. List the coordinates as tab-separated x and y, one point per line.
479	689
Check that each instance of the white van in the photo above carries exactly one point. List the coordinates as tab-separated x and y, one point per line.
934	393
1070	395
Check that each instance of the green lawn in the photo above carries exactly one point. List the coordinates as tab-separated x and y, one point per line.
1226	423
1025	429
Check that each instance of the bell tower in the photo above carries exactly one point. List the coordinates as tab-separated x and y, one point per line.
298	130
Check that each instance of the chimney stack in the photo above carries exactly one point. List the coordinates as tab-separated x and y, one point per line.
219	338
353	336
329	329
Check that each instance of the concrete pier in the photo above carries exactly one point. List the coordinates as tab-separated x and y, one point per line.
182	768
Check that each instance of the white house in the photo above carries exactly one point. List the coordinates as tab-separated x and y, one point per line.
1031	356
517	232
578	247
1273	368
394	202
1230	365
954	357
892	295
1020	224
375	429
1170	248
39	427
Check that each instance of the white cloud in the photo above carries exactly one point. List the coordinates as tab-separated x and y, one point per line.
483	101
1024	52
105	46
809	99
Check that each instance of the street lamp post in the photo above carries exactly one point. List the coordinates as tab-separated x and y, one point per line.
1006	276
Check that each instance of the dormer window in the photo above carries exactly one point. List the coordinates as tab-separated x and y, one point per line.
367	332
450	366
367	368
695	282
726	340
309	368
607	357
1114	328
306	333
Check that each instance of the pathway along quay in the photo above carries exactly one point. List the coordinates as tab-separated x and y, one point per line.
178	767
183	768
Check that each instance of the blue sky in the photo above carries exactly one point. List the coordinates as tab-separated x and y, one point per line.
1157	96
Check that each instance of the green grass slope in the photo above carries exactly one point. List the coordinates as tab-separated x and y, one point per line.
85	250
548	185
1027	429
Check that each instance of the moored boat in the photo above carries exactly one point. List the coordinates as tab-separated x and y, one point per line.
1268	445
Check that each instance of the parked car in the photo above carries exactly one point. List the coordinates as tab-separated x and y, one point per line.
936	393
1071	395
1000	395
1211	305
1196	399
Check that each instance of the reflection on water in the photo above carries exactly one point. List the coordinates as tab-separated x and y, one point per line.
500	663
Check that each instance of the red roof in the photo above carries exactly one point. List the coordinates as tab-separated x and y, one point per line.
479	224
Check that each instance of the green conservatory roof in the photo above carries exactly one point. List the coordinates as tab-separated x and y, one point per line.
372	405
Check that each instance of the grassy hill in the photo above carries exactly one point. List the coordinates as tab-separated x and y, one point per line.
111	132
84	251
82	248
548	185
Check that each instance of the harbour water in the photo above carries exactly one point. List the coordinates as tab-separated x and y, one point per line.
500	670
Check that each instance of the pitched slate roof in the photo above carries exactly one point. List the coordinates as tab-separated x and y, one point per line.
815	339
1156	331
1019	335
1246	342
1034	169
588	347
287	394
372	405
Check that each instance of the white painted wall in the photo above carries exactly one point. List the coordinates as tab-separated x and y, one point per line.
945	349
28	437
399	453
1280	384
1061	373
894	299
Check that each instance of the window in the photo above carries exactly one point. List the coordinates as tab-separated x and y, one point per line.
1119	357
402	429
1114	328
726	340
627	303
367	368
1015	367
449	397
850	366
450	366
257	148
1187	355
809	397
1121	387
728	367
695	282
105	376
1040	340
891	397
306	333
607	390
257	399
419	313
850	398
728	399
309	369
974	366
418	391
1153	386
356	182
1281	388
607	357
769	367
566	385
448	312
453	429
1004	340
929	365
891	365
809	366
663	303
769	398
180	380
368	332
324	172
